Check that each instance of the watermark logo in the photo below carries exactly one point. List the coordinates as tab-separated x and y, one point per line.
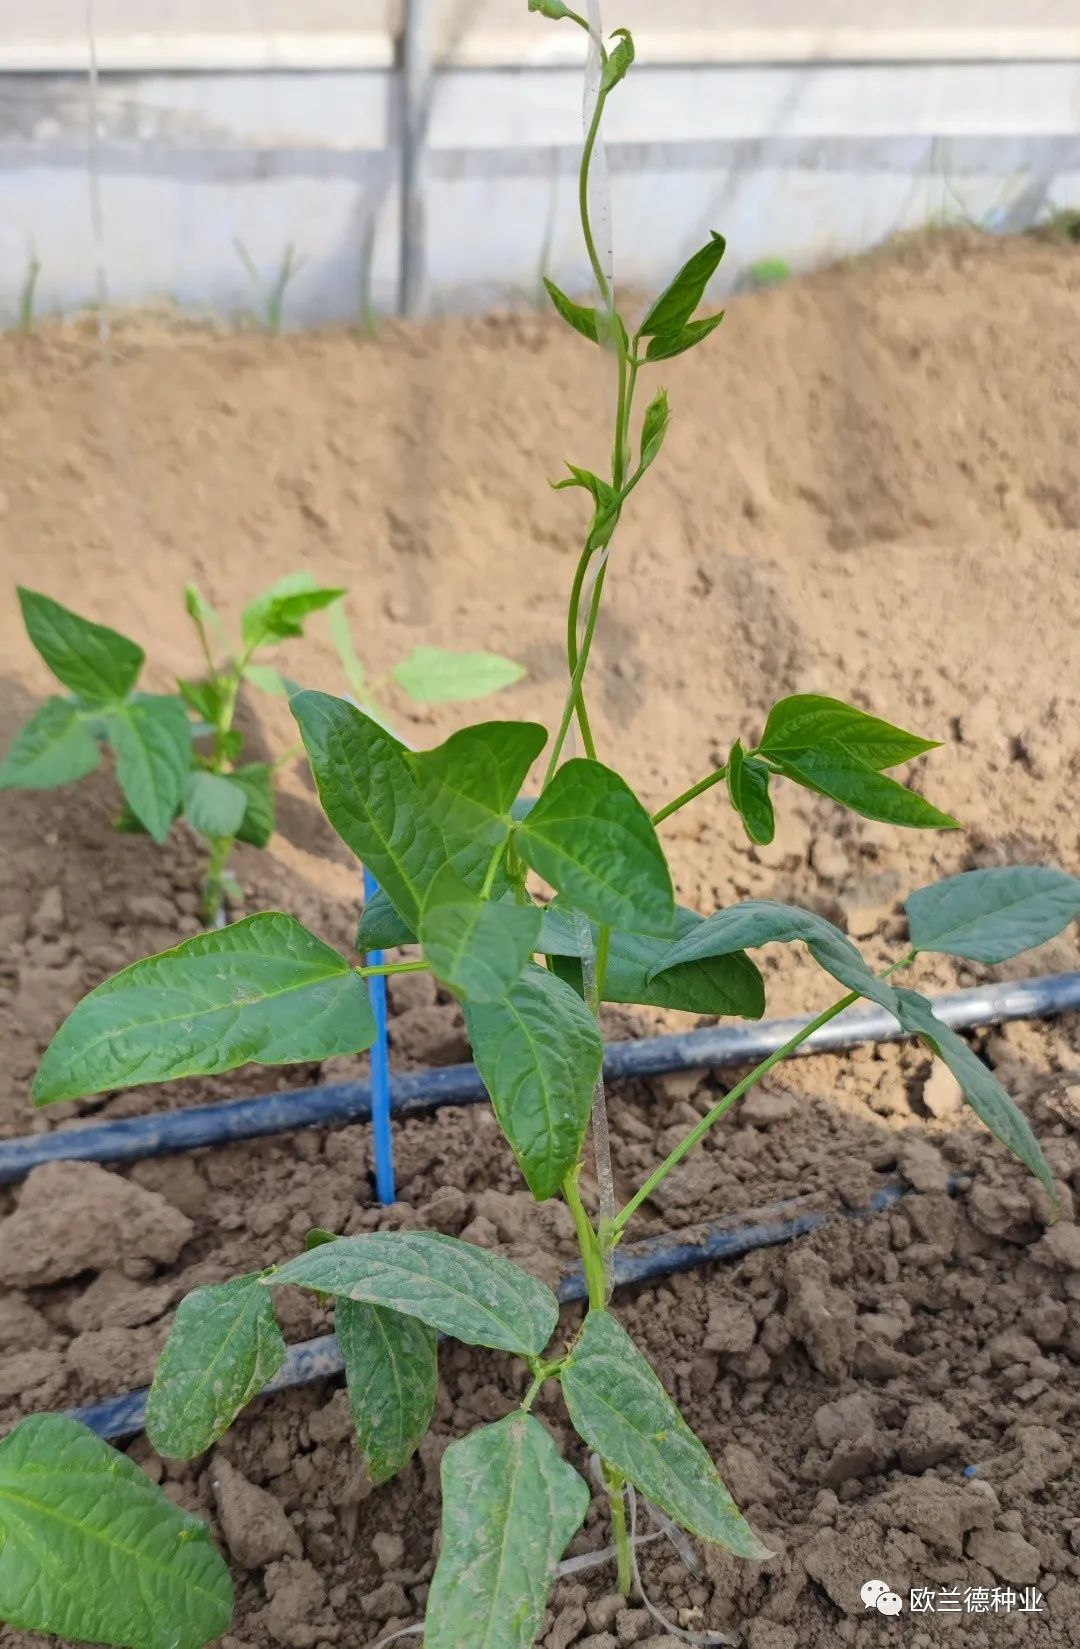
879	1595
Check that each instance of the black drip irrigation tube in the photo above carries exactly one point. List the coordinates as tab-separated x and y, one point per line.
640	1262
134	1138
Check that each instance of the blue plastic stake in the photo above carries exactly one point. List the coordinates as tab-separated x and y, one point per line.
381	1136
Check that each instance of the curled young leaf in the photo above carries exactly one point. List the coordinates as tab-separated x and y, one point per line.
618	60
619	1407
554	9
677	302
582	319
99	665
223	1347
263	990
763	922
654	427
748	788
590	837
91	1549
464	1291
667	345
539	1052
980	1087
990	915
511	1505
55	747
280	611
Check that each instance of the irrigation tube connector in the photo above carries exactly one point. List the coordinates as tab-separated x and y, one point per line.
639	1262
742	1045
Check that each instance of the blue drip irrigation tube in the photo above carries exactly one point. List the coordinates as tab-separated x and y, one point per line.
134	1138
382	1141
639	1262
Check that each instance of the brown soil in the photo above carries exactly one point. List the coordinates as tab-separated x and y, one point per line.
870	488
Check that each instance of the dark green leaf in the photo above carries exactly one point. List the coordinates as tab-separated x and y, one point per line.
726	984
748	788
95	662
990	915
622	1411
618	61
256	780
763	922
654	427
55	747
675	305
511	1506
223	1346
152	739
280	611
263	990
470	783
436	675
460	1290
380	927
391	1370
874	795
475	947
828	727
372	798
590	837
980	1087
575	314
539	1052
669	344
91	1549
214	805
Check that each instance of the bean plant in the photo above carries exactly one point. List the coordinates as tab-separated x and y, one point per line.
90	1548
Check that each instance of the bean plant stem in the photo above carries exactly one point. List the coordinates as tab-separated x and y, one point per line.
615	1483
688	795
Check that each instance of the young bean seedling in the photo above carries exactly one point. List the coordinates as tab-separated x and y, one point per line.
452	842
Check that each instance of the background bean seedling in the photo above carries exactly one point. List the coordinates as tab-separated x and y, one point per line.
177	755
91	1549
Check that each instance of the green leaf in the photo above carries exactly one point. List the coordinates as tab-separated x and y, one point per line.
980	1087
590	837
206	698
726	984
152	739
371	797
392	1373
828	727
748	788
214	805
337	622
95	662
677	302
454	1287
435	675
470	783
603	493
990	915
55	747
263	991
91	1549
763	922
511	1505
654	427
539	1052
574	314
618	61
874	795
223	1347
256	780
475	947
619	1407
550	8
280	611
669	344
381	927
268	680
